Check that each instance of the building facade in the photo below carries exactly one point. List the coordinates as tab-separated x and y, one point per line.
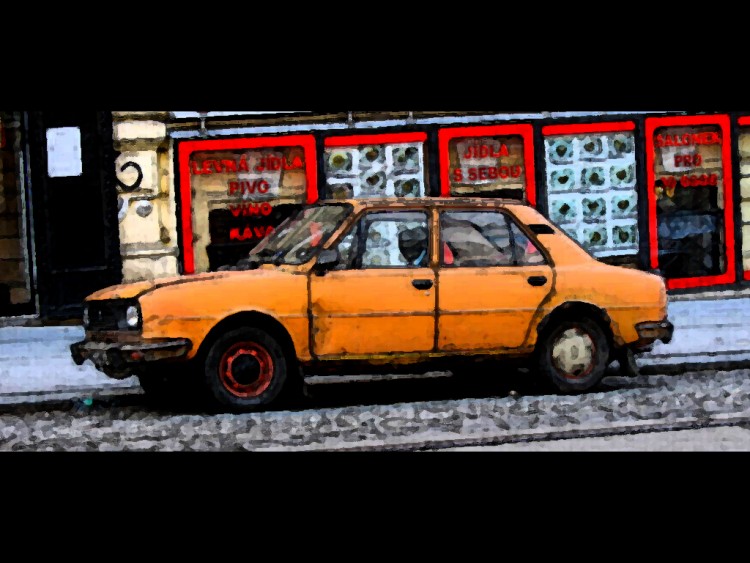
88	199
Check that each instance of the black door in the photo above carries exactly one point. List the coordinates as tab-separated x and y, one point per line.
71	169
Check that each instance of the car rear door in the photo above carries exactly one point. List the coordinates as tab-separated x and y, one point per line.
492	279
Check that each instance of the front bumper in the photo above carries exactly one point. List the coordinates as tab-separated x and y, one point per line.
650	332
117	359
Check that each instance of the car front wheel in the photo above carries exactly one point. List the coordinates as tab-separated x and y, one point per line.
171	384
572	354
246	370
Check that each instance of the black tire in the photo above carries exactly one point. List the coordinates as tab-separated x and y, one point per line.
579	367
259	378
628	365
504	376
172	384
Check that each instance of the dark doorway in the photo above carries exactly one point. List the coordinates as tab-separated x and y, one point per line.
16	285
689	227
71	169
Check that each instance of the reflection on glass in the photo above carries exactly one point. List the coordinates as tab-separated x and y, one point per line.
621	175
594	208
562	179
593	178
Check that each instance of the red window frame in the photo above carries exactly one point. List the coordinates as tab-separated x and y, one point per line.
526	132
582	128
187	148
744	121
375	139
723	122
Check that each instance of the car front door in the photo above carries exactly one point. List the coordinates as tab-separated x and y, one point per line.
491	281
380	299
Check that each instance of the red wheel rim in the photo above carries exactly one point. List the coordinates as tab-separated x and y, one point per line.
246	369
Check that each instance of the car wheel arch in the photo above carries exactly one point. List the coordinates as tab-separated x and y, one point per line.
578	309
250	319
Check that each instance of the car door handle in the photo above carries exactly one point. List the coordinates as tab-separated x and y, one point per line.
537	280
422	284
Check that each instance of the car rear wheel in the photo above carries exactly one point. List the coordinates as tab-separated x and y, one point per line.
246	370
572	354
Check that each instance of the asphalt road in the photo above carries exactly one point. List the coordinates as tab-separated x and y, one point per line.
433	414
735	437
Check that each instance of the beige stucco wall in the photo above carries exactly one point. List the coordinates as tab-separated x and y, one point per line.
148	225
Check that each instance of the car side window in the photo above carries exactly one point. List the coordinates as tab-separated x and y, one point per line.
475	239
347	248
393	239
484	239
527	254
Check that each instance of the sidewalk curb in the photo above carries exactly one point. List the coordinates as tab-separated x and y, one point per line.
450	443
60	400
594	431
678	368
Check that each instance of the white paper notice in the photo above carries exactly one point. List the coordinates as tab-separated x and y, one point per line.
64	152
672	164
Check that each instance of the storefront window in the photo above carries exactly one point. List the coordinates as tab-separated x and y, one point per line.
493	161
690	193
15	281
591	185
238	191
375	166
744	152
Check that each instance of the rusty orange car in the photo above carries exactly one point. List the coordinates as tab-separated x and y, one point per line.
379	283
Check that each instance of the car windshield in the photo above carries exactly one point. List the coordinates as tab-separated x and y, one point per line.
298	238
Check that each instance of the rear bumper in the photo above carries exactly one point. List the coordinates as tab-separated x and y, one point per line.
650	332
117	359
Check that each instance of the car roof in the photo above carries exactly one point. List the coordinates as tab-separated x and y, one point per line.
427	201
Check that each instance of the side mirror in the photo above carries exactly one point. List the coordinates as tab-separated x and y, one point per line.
246	264
327	259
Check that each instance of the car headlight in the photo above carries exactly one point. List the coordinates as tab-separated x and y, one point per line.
133	316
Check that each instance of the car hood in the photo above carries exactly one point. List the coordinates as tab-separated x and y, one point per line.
136	289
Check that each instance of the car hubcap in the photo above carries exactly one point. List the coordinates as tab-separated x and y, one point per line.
246	369
573	353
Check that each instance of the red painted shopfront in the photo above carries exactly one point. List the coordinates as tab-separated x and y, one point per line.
489	161
646	192
234	192
690	199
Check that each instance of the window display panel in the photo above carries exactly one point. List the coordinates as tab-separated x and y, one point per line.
744	181
375	166
493	161
690	193
591	188
237	194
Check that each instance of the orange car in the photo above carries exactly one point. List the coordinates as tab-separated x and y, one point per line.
378	283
